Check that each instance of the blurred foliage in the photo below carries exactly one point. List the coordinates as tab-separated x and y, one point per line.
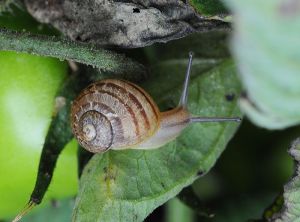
266	47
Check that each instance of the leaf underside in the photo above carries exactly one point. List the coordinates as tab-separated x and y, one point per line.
129	185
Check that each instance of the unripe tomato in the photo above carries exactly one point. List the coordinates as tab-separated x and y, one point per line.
28	85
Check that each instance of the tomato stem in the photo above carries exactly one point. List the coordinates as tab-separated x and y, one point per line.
66	49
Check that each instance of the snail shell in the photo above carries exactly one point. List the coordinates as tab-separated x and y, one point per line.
113	114
117	114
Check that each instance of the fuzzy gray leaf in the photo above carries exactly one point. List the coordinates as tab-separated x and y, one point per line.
126	24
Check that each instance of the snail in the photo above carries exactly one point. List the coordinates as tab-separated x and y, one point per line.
117	114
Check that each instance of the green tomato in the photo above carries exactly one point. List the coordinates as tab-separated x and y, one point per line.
28	85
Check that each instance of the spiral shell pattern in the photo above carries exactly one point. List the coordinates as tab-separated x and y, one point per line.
113	114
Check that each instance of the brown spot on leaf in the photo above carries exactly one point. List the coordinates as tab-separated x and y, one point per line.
109	173
200	173
105	169
136	10
230	97
54	203
244	95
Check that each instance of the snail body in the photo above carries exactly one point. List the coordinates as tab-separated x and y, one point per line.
117	114
124	115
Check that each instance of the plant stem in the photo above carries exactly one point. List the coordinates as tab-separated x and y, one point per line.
65	49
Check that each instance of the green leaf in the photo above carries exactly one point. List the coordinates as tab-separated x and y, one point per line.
290	209
266	46
129	185
208	7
